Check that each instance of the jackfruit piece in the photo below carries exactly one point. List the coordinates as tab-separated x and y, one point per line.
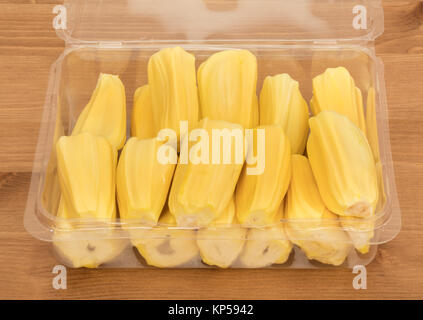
310	225
87	172
359	63
73	246
266	246
164	246
361	231
221	242
371	123
203	187
105	113
142	181
258	197
173	89
335	90
281	103
227	83
382	195
86	253
142	121
342	164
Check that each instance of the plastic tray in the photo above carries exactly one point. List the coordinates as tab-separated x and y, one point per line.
301	38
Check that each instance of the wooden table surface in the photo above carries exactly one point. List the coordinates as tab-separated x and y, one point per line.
28	46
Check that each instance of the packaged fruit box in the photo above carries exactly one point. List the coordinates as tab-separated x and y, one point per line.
241	134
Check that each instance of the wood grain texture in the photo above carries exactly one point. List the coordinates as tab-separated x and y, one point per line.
28	46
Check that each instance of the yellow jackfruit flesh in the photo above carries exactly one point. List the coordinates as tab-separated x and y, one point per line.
203	187
142	121
105	113
310	225
227	83
221	242
359	63
259	196
382	195
371	123
372	136
164	246
266	246
335	90
343	165
142	181
79	251
361	231
86	253
173	89
86	171
281	103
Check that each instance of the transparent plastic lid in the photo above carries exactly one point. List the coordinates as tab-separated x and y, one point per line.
218	21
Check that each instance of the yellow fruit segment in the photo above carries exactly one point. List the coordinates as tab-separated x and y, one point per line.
310	225
371	123
165	247
227	83
105	113
221	243
361	231
382	195
77	251
259	196
266	246
281	103
335	90
87	170
87	253
173	89
203	187
227	217
142	181
142	121
343	165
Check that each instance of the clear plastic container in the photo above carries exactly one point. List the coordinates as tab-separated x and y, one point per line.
302	38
